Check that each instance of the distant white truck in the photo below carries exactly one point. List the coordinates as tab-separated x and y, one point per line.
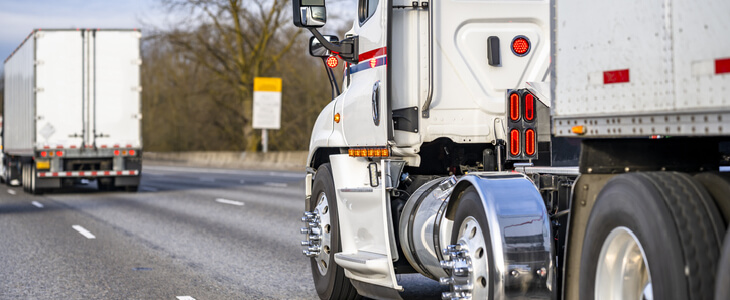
72	109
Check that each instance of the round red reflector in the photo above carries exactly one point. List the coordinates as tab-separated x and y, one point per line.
116	152
44	154
332	62
59	153
131	152
520	45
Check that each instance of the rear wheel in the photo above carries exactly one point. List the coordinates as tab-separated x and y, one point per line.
651	236
33	181
470	261
329	278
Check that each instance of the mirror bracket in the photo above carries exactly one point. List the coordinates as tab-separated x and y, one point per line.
347	49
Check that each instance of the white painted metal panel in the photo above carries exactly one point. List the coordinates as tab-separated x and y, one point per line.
700	31
670	49
116	100
469	94
19	99
59	88
598	36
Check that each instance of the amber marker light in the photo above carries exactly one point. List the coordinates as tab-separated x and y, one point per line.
337	118
580	129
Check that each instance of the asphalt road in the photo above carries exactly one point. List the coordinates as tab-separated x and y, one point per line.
189	233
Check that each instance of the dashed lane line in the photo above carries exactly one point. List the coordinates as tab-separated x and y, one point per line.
276	184
37	204
83	231
185	298
11	192
207	179
231	202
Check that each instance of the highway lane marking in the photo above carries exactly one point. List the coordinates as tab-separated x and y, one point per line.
185	298
207	179
87	234
37	204
231	202
11	192
276	184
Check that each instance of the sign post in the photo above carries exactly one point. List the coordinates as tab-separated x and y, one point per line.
266	106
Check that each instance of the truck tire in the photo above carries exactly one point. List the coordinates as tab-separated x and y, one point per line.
329	278
651	235
722	285
472	229
32	186
24	177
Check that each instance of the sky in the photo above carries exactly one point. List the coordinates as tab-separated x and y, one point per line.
19	17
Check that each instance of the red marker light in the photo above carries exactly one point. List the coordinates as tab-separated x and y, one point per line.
59	153
529	107
131	152
520	46
44	154
514	142
514	107
332	62
116	152
530	142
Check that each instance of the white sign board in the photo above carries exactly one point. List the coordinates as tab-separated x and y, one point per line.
266	103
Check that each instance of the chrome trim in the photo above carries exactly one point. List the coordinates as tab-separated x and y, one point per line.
520	232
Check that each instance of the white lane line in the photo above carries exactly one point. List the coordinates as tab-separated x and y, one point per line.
149	189
37	204
11	192
207	179
276	184
231	202
225	171
87	234
185	298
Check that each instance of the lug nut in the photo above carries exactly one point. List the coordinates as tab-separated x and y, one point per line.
306	243
463	288
446	280
447	264
304	230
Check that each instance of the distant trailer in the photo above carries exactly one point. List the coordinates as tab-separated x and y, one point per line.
72	109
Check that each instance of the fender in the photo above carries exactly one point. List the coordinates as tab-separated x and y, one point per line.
519	228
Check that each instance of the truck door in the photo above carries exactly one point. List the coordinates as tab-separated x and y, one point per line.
365	108
59	93
117	89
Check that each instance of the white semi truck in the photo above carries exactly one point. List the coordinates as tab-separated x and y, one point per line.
523	150
72	110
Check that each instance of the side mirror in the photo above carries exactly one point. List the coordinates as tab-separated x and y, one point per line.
309	13
316	48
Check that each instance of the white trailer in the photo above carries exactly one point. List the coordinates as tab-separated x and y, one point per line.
72	109
523	150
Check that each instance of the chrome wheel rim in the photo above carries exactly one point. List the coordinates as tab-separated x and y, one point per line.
325	226
622	271
471	237
467	264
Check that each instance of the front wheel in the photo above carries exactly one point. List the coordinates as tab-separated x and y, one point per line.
323	224
651	236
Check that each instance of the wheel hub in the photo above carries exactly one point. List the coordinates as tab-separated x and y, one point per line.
467	264
622	271
317	232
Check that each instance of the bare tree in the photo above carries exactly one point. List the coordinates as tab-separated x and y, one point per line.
235	41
